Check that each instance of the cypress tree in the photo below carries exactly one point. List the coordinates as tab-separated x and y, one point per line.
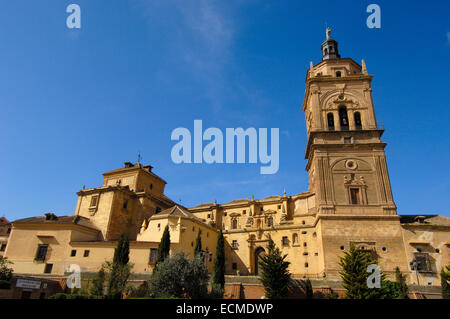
122	252
97	288
354	275
219	261
198	243
275	276
402	287
164	246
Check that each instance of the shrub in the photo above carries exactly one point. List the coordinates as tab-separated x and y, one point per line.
180	277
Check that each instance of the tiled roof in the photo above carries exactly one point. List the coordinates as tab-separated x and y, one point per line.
176	211
69	219
130	167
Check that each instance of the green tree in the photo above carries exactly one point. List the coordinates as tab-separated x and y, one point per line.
118	271
180	277
445	278
307	288
402	287
122	252
275	276
164	246
198	243
98	283
354	275
5	272
219	261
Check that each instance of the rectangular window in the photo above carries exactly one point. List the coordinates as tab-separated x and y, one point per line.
423	262
48	268
3	247
153	255
234	266
41	252
73	253
234	244
94	201
86	253
354	196
285	241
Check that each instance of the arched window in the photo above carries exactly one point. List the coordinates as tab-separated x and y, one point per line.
330	119
338	74
234	224
343	119
358	123
325	51
270	222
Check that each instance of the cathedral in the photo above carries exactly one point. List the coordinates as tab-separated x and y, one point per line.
349	201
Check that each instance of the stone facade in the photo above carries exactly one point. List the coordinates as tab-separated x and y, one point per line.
349	201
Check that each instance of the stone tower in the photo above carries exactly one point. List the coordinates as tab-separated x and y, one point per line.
346	160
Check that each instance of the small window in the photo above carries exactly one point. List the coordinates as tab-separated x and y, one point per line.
158	209
151	186
347	140
192	244
94	201
225	214
234	266
193	228
209	215
234	244
306	265
285	241
234	224
244	212
153	255
125	204
384	249
270	222
338	74
305	244
304	232
437	250
279	206
261	209
73	253
3	247
305	254
48	268
354	196
316	254
295	239
342	247
41	252
159	227
303	222
9	230
86	253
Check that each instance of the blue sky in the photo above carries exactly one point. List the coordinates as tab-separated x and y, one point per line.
77	103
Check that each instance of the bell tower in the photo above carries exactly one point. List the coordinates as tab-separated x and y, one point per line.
346	159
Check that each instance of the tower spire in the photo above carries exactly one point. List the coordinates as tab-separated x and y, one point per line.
329	47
